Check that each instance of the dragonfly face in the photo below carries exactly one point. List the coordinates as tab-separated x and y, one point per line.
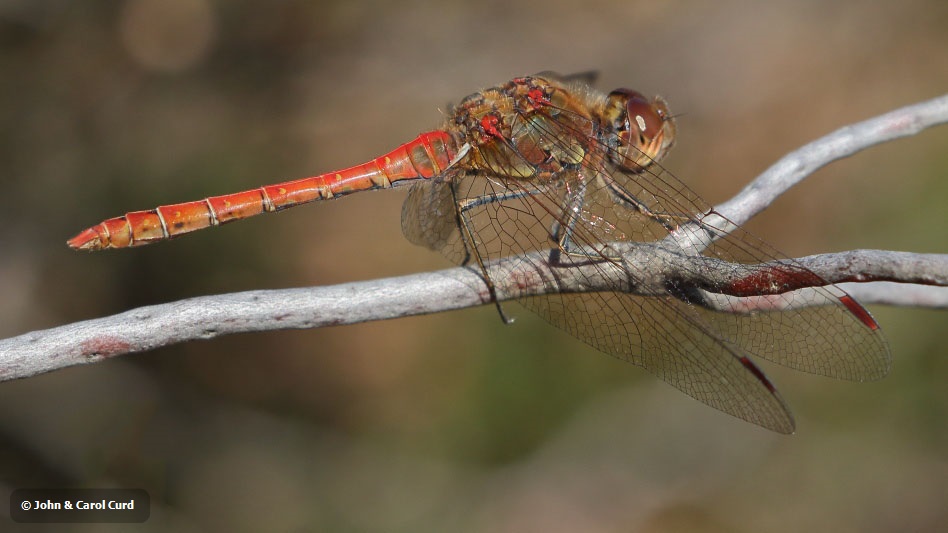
643	130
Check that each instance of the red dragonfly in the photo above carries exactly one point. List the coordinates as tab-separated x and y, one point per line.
548	169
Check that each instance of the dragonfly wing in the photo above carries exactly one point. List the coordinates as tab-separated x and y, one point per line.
811	330
660	335
428	215
818	329
587	203
588	77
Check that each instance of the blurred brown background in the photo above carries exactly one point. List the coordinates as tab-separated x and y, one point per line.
450	422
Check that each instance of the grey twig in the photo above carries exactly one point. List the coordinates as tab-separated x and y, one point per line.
844	142
207	317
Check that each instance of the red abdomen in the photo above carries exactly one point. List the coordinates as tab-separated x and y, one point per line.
423	158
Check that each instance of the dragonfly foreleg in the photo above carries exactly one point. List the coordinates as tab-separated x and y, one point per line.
669	221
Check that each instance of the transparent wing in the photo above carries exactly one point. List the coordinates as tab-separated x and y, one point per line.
702	352
827	339
429	215
661	340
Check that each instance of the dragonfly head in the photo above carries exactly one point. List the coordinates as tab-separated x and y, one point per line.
644	128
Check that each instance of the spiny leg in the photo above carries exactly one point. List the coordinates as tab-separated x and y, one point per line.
574	201
462	206
624	197
562	232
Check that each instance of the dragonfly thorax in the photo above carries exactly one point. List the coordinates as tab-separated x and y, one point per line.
526	129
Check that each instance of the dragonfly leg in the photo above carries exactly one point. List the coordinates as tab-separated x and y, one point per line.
470	203
462	207
562	233
669	221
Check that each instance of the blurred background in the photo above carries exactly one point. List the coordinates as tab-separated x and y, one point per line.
451	422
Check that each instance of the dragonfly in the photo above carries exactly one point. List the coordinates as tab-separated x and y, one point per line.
566	178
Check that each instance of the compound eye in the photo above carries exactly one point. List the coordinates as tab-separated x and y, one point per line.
644	118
